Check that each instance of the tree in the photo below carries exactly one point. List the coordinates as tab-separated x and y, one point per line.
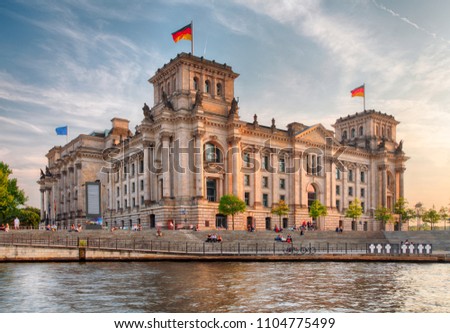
28	216
354	210
280	209
10	195
443	214
317	209
431	216
231	205
401	209
383	214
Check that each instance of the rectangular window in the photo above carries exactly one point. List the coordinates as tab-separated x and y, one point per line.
282	197
246	159
338	205
338	174
126	203
142	200
350	191
265	200
265	162
363	206
247	198
211	192
363	193
141	166
132	169
125	189
338	190
118	190
246	180
350	175
133	188
281	165
363	177
282	183
265	182
134	202
118	204
142	185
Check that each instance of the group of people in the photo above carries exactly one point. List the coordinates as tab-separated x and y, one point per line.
213	238
75	229
16	223
280	238
339	229
4	228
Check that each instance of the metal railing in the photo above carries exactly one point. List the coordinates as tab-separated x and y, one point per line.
206	248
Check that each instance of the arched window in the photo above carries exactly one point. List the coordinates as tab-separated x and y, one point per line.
377	130
207	87
353	133
212	153
195	82
219	89
361	131
344	135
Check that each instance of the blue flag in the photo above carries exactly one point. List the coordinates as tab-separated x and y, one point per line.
61	130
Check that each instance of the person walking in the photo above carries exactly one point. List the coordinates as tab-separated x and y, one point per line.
16	223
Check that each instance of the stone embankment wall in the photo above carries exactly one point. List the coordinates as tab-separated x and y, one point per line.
15	253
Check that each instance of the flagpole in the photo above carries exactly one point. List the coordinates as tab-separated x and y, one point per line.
192	39
364	100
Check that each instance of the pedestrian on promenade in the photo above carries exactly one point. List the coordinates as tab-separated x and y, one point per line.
16	223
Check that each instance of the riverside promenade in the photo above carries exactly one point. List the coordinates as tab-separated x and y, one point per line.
187	245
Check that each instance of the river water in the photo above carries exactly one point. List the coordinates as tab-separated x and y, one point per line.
224	287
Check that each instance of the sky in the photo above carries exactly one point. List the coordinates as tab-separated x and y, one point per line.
81	63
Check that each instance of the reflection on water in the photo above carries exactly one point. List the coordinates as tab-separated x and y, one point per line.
224	287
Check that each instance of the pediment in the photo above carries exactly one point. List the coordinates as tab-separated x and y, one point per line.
317	134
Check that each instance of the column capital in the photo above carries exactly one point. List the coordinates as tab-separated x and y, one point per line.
165	135
198	133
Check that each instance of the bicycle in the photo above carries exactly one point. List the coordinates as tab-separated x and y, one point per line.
302	250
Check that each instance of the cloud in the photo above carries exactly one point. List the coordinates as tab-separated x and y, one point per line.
409	22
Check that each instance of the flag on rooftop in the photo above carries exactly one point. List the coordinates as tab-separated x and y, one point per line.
61	130
358	92
183	33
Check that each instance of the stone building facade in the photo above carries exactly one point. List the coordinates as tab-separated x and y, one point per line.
192	147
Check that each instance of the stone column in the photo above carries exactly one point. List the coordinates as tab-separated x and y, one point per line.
383	190
42	203
165	139
401	174
257	174
303	181
276	179
197	168
236	165
148	151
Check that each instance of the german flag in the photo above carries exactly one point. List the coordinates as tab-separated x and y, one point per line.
183	33
358	92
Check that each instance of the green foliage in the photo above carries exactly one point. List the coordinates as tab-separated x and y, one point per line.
401	209
231	205
431	216
317	209
10	195
354	210
280	209
28	216
383	214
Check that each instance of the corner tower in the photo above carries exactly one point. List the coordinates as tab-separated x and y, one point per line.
187	82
